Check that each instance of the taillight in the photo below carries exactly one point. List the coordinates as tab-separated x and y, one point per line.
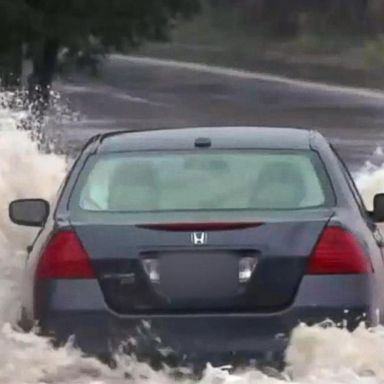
64	258
338	252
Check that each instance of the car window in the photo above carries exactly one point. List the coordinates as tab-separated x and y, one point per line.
158	182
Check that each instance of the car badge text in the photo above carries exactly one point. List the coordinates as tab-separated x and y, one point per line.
199	238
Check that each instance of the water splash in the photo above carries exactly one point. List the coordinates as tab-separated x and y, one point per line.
370	180
336	354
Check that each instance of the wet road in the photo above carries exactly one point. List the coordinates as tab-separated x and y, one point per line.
138	93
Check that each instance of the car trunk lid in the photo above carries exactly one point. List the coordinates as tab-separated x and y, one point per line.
195	267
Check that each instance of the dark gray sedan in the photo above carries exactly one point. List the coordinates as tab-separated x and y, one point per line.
202	244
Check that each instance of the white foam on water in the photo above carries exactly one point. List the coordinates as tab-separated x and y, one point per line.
27	358
315	355
370	181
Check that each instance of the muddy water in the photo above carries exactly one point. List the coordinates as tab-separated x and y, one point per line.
315	355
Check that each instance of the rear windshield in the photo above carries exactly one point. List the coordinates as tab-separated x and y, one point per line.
214	181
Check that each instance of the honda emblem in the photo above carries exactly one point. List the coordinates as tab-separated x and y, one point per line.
199	238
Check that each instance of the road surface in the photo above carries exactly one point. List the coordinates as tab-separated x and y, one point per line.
137	93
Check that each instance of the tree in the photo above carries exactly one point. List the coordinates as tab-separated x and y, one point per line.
48	26
284	18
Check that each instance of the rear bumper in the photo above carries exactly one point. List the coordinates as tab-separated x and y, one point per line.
218	339
77	308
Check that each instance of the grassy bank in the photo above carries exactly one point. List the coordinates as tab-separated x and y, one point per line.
347	60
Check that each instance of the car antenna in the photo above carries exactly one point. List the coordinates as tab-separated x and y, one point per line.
203	142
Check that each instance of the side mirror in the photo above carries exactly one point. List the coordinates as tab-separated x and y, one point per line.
378	208
29	212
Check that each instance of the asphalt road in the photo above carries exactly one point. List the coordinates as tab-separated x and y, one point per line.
137	93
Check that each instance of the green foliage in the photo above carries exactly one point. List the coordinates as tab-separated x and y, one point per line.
374	52
289	18
46	26
114	22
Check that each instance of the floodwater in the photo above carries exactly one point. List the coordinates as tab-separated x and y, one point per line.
315	355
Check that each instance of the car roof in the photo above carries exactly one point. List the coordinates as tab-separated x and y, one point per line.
213	137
